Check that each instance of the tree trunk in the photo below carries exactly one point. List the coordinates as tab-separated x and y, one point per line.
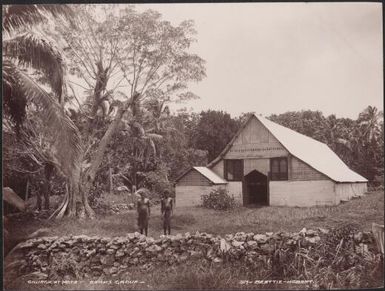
38	198
78	197
59	212
134	176
110	183
80	183
46	190
98	156
74	192
26	191
75	202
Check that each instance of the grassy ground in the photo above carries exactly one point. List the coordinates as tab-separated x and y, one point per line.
362	212
192	275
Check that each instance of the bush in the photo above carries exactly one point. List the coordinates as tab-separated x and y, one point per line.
156	183
100	205
218	199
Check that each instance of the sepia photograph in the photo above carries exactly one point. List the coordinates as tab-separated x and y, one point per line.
193	146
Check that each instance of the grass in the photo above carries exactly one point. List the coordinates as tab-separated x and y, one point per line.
193	275
361	212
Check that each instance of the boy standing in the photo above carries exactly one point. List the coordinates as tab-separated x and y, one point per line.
166	211
143	208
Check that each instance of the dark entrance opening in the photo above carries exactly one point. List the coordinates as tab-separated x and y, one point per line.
255	188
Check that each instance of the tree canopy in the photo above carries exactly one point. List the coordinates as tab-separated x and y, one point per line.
213	131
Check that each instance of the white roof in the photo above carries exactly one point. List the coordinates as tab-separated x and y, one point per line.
316	154
210	175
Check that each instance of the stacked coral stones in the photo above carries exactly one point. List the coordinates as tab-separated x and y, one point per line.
93	256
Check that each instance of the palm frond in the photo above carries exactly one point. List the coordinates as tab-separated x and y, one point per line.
19	16
65	135
33	51
14	101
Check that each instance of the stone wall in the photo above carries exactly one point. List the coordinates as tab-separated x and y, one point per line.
93	256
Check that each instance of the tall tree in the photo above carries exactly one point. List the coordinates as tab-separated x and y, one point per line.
114	48
176	148
214	130
368	142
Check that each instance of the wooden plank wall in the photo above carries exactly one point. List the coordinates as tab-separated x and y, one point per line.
255	141
191	195
218	169
194	178
299	171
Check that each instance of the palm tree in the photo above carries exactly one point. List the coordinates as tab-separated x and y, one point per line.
369	124
142	141
24	51
363	142
369	135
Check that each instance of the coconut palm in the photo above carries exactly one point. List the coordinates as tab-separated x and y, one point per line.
142	141
26	52
369	135
369	124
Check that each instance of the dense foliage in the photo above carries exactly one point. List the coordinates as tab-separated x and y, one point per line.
213	131
359	143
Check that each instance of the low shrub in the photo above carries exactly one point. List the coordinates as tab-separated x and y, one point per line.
100	204
218	199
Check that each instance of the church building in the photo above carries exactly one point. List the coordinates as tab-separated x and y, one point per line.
268	164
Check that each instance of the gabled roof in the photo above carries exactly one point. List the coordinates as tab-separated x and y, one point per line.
210	175
314	153
228	146
207	173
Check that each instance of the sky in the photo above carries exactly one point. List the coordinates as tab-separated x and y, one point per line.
277	57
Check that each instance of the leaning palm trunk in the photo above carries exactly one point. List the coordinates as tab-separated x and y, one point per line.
97	159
